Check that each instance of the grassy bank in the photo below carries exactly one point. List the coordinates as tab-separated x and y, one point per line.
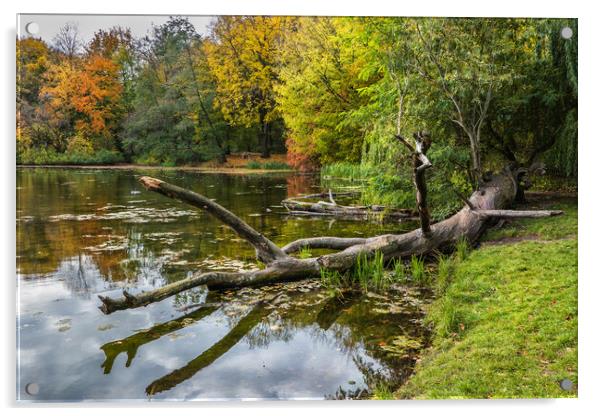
505	320
236	164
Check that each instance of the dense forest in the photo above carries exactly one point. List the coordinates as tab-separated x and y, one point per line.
325	90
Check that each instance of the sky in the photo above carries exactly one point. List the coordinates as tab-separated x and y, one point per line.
49	24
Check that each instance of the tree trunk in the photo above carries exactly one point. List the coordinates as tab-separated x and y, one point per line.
264	135
486	203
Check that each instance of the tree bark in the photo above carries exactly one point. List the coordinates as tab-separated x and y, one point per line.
421	164
469	223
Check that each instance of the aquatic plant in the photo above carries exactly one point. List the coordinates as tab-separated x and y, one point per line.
370	272
399	270
305	253
418	271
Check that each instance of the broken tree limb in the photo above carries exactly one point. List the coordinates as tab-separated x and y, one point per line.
322	208
469	224
422	142
266	250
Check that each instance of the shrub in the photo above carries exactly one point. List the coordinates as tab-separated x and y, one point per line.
253	164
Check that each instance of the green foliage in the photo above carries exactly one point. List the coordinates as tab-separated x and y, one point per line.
273	165
382	392
369	272
336	88
51	157
253	164
333	281
399	270
445	267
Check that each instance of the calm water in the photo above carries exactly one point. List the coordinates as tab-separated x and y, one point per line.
86	232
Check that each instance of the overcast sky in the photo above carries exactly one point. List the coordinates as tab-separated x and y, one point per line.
49	24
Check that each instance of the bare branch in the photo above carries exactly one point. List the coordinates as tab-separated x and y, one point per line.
267	251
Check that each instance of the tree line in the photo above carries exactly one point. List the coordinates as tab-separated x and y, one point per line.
323	89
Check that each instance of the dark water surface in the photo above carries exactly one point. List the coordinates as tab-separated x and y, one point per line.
84	232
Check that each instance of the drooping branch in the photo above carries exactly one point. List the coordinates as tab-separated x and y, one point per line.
267	251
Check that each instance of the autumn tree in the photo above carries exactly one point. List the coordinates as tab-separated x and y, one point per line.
83	100
33	60
174	119
242	54
320	87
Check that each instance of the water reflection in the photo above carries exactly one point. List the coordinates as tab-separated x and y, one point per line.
86	232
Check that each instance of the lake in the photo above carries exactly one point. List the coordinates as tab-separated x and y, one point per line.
85	232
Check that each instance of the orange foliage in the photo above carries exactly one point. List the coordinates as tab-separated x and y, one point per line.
88	95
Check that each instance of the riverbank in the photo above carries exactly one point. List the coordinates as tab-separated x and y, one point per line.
241	164
235	165
505	324
130	166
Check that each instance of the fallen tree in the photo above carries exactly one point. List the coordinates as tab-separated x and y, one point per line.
483	208
301	205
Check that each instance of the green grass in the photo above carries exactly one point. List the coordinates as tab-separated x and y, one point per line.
273	165
367	274
550	228
253	164
505	320
51	157
344	170
305	253
418	272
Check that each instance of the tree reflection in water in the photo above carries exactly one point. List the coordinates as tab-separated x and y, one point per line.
354	325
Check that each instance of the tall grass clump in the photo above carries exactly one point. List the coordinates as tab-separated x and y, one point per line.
305	253
253	164
276	165
462	249
399	270
444	273
344	170
418	271
370	272
333	281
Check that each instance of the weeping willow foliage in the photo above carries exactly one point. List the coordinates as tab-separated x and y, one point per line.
561	158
